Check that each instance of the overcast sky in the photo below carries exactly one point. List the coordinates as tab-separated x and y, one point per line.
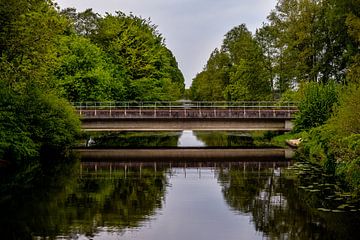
192	28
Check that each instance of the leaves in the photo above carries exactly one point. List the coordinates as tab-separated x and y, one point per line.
235	72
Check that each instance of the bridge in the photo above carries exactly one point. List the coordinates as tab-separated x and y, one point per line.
185	115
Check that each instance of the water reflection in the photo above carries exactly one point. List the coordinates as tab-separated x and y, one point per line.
169	200
185	138
134	139
225	139
81	204
188	139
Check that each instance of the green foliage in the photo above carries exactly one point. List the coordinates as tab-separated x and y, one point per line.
316	106
312	41
35	125
46	54
34	121
336	144
116	57
139	56
347	113
235	72
85	73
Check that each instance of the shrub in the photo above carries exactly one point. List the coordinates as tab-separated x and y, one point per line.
316	106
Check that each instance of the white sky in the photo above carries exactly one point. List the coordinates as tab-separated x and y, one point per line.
192	28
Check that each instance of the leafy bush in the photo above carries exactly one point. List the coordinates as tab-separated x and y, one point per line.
34	126
346	119
316	106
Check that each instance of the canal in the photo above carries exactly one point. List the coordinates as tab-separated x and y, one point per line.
177	198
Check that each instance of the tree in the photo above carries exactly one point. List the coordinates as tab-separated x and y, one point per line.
248	79
211	82
237	70
85	72
135	46
33	119
265	37
313	42
84	23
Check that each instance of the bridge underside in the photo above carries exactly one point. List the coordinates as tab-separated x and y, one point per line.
178	124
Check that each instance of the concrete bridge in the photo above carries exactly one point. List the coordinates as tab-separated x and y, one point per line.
170	116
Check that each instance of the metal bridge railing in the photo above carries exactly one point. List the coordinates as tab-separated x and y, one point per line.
187	109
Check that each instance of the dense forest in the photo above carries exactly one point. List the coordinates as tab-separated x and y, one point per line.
308	52
50	57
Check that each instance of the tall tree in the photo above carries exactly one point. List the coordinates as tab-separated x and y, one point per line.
34	122
135	46
237	70
247	76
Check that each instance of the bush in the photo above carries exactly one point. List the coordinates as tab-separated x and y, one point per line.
35	125
316	106
346	119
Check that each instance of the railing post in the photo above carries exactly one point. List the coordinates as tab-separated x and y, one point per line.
125	109
212	104
140	106
200	108
229	109
110	108
244	110
155	110
95	108
170	110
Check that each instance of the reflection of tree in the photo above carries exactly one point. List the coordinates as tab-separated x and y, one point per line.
137	139
276	207
67	205
224	139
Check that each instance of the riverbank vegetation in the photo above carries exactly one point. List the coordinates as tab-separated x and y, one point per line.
307	52
51	57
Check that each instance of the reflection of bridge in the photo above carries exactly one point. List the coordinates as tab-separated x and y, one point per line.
189	154
112	116
113	170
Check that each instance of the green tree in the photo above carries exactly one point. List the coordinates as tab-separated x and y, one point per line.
313	42
265	37
33	119
85	72
210	83
248	80
236	72
137	49
84	23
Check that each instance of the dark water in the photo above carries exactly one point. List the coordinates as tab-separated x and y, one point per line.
177	200
173	139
